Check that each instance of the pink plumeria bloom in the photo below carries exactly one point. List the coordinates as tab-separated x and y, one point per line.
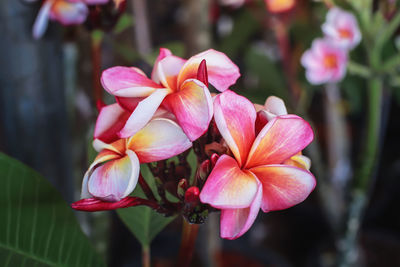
324	62
114	173
175	85
66	12
279	6
341	27
256	176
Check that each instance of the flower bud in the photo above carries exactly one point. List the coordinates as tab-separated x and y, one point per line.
192	196
214	158
203	170
182	186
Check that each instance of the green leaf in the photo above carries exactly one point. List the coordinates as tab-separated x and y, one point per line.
123	23
245	26
269	77
37	227
142	221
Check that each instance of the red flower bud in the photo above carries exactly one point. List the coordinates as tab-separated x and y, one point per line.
192	195
202	74
214	158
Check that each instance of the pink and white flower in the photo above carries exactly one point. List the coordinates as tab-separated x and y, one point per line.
114	173
325	62
178	85
341	28
256	176
66	12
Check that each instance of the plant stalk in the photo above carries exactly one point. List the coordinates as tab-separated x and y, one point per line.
189	235
97	39
142	29
364	176
146	256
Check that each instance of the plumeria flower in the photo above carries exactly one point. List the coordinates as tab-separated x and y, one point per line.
325	62
278	6
114	173
255	176
341	27
176	84
66	12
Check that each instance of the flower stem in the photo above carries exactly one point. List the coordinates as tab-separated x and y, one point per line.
146	258
375	94
142	29
189	235
146	188
364	175
97	39
282	37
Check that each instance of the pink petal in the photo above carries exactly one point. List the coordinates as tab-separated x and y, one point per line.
192	106
280	139
94	204
160	139
69	13
229	187
143	113
164	52
118	146
235	117
236	222
299	161
283	186
274	106
110	121
168	69
115	179
222	72
105	155
129	103
42	20
127	82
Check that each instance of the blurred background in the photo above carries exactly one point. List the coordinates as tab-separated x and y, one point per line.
48	96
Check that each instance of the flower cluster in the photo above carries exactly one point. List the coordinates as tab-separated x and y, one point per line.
249	156
326	61
66	12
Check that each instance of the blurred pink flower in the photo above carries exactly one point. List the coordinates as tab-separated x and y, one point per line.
256	176
66	12
179	85
325	62
278	6
114	173
341	27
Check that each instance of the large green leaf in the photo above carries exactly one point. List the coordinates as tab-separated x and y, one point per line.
142	221
37	227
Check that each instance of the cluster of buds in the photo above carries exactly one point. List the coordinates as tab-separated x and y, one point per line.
248	156
326	61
